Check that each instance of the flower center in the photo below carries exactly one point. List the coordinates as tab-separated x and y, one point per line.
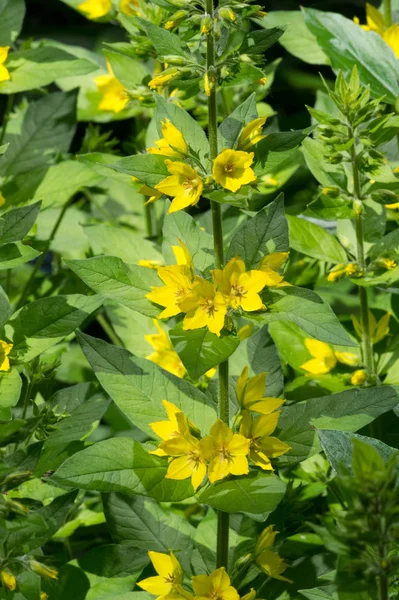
229	168
170	578
238	290
188	184
208	306
180	292
216	595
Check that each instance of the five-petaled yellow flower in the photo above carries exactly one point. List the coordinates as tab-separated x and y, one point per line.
263	446
172	143
232	169
159	81
169	579
269	561
114	97
251	134
204	307
5	350
8	580
187	453
250	394
226	452
324	358
4	72
240	288
184	185
178	284
165	355
375	22
215	586
129	7
95	9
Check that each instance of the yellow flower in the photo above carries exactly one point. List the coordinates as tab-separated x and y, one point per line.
188	457
324	358
393	206
240	288
227	13
263	446
232	169
4	72
387	263
114	97
152	192
165	355
359	377
205	307
226	452
340	270
172	427
95	8
149	264
270	264
250	393
172	143
129	7
178	284
375	22
184	185
43	570
159	81
43	596
251	134
169	578
5	350
269	561
182	255
8	580
2	199
215	586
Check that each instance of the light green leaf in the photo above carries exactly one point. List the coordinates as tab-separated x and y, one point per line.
314	241
15	224
326	173
149	168
110	277
164	42
112	560
5	308
121	241
127	69
265	233
121	465
138	386
43	323
12	13
200	350
256	494
10	391
347	411
346	44
16	254
37	67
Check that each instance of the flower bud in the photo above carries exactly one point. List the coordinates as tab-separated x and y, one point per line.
206	24
8	580
227	14
359	377
385	196
174	60
43	570
331	191
176	19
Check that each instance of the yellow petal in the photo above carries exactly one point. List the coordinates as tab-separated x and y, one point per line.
316	366
318	349
179	469
266	405
155	585
274	447
265	425
347	358
239	466
4	73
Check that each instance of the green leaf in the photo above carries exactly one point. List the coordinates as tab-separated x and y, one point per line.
5	308
43	323
314	241
265	233
38	67
15	224
138	386
338	446
12	13
347	411
23	534
246	75
346	44
164	42
127	69
16	254
123	242
193	133
110	277
84	406
181	226
10	391
149	168
258	41
230	129
147	525
297	39
321	593
326	173
111	560
200	350
307	310
121	465
256	494
128	596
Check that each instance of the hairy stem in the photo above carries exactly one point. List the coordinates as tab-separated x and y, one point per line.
388	13
222	546
367	345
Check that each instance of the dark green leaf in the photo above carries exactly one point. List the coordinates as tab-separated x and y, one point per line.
15	224
149	168
230	129
12	13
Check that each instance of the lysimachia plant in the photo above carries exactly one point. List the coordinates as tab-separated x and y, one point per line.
179	402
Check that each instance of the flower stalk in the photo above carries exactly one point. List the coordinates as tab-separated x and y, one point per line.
222	546
388	13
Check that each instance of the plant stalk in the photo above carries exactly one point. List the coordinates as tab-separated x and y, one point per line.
9	107
149	214
367	345
222	546
388	13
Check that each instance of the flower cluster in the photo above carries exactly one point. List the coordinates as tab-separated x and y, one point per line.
231	168
206	303
9	580
223	452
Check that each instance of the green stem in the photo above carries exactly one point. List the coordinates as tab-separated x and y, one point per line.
367	345
9	105
222	546
388	13
108	330
42	257
149	220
